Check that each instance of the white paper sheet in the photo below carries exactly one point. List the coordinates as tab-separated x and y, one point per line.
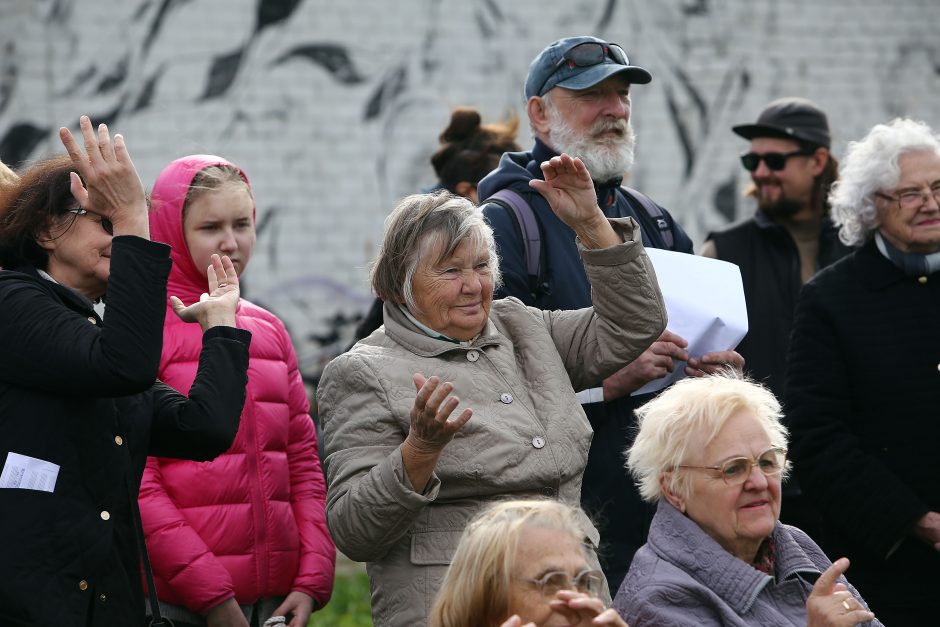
28	473
705	303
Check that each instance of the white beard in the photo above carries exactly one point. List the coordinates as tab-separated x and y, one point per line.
604	159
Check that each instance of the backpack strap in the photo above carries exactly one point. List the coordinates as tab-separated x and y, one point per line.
655	212
530	232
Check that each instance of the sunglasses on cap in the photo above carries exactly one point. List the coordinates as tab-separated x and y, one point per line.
775	160
587	54
105	223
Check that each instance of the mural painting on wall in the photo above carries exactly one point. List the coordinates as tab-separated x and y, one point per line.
334	108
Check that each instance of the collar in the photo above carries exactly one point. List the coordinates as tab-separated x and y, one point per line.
431	332
81	298
400	329
676	539
911	264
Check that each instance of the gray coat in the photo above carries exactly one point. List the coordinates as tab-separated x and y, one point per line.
682	577
528	435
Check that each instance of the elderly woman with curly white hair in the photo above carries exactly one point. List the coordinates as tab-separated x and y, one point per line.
863	385
407	466
712	453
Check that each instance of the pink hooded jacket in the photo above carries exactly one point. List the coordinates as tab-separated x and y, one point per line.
250	523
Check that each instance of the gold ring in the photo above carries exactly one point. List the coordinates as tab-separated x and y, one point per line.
222	284
846	605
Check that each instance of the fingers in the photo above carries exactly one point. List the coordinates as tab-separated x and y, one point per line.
79	193
609	617
824	585
104	143
419	382
670	349
71	146
92	150
212	276
669	336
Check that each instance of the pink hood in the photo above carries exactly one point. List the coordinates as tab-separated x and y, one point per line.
166	221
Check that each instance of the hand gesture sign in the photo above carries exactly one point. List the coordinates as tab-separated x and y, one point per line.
217	306
831	604
569	190
111	185
431	425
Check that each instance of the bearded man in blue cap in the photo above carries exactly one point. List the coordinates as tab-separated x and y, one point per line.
578	101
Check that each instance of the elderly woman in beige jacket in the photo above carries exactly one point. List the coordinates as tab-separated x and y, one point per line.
459	400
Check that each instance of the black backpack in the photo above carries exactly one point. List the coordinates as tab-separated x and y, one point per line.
529	229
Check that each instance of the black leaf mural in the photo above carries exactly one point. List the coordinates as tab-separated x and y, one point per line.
222	74
726	199
20	142
146	94
7	75
115	78
274	11
390	87
165	7
331	57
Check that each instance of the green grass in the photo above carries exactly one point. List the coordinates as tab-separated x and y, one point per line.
349	606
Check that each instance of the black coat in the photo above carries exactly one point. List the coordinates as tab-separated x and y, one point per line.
863	398
82	395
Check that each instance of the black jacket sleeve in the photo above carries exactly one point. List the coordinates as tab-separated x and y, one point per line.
204	425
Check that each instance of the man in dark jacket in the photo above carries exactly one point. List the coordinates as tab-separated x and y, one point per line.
790	236
578	101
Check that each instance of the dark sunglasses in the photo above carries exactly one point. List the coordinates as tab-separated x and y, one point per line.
105	223
775	160
587	54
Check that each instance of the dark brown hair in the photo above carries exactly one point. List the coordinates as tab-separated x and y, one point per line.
471	150
29	206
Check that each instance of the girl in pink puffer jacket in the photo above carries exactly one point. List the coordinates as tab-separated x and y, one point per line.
243	537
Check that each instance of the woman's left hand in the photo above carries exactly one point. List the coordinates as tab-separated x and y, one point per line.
300	605
217	307
583	610
569	190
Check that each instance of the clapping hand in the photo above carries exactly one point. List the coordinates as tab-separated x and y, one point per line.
217	306
109	184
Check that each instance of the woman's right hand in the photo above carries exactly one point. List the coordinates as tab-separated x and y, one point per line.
226	614
830	604
431	428
217	306
109	183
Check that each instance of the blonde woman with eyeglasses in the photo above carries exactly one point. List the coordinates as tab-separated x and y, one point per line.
523	563
712	453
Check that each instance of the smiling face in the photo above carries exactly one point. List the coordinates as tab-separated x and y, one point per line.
738	517
454	296
221	221
913	230
788	192
542	550
79	252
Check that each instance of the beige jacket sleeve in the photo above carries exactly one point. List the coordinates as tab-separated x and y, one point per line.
627	316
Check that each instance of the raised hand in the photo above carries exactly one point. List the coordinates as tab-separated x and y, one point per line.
830	604
217	306
569	190
109	184
584	610
431	428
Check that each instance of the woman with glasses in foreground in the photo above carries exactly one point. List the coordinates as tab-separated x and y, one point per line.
712	453
523	563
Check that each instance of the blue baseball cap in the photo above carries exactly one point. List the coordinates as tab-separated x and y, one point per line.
566	63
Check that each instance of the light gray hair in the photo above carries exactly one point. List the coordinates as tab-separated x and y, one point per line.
419	225
871	165
688	416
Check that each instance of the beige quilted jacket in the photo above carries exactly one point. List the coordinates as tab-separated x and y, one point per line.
528	435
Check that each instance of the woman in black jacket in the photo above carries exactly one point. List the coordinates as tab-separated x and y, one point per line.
80	407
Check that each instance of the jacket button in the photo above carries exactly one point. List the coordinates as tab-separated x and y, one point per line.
83	585
505	397
102	598
118	440
548	491
538	441
105	515
922	280
473	355
92	320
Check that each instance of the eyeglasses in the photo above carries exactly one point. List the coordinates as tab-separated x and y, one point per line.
911	200
775	160
735	471
585	55
105	223
588	581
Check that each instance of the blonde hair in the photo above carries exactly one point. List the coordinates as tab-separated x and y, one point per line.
476	588
687	417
